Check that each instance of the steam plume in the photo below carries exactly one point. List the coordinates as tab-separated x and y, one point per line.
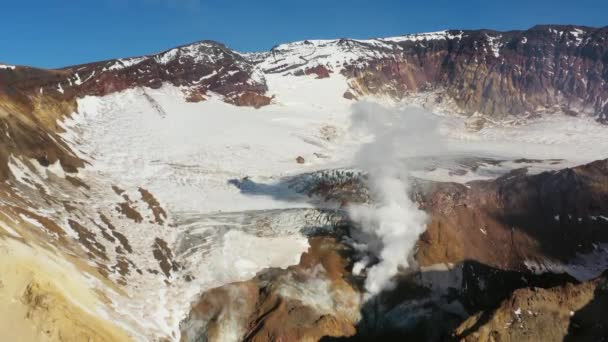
393	221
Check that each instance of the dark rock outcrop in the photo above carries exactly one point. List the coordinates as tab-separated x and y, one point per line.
517	219
569	312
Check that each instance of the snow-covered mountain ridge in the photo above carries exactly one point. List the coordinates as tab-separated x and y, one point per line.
544	69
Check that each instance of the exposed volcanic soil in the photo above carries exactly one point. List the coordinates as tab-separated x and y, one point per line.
473	280
527	218
200	192
303	302
570	312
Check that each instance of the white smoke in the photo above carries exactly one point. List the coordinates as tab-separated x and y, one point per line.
393	222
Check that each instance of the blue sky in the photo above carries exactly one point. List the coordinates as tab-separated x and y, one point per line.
54	33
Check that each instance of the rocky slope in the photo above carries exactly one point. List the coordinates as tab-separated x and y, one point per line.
302	303
516	221
543	69
569	312
482	270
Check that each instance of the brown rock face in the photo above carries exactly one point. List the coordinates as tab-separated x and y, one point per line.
320	70
517	218
207	65
29	119
565	313
280	305
160	215
546	68
250	99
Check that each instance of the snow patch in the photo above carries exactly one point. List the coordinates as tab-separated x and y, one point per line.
125	63
418	37
495	44
583	267
578	36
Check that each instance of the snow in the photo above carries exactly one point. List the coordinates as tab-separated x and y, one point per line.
187	154
556	32
187	157
336	52
584	267
91	76
78	81
125	63
192	51
7	67
439	35
9	230
19	171
578	140
316	292
199	52
495	44
135	143
32	221
577	33
167	56
310	53
212	74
